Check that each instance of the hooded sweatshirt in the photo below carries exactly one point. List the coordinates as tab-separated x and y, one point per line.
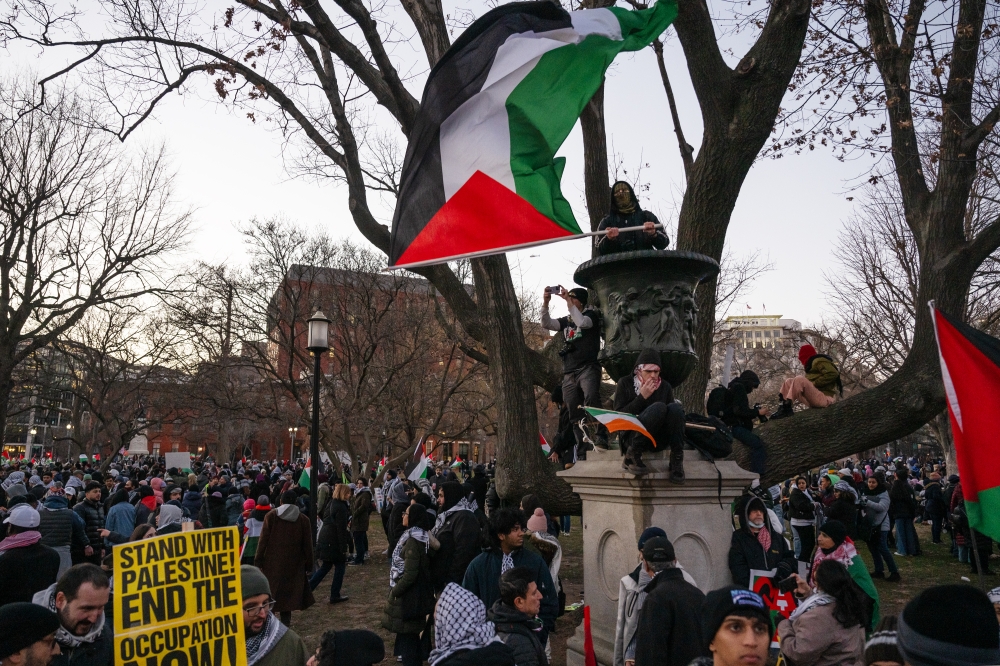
635	217
763	551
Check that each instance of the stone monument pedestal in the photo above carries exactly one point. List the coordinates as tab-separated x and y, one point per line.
618	506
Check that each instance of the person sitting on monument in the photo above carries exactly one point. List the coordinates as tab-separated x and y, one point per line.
651	398
581	330
739	415
818	388
625	212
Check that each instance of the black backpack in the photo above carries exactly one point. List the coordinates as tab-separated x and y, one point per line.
714	444
719	403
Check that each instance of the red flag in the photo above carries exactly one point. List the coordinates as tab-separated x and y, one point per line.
970	368
589	656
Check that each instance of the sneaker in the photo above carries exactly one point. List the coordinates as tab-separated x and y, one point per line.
338	600
900	554
354	564
893	577
876	574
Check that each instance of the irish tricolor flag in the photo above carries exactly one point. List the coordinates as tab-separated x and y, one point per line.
480	174
619	421
970	367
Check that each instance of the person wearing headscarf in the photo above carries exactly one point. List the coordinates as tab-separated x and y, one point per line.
834	544
462	634
400	500
458	531
169	520
844	507
625	212
411	595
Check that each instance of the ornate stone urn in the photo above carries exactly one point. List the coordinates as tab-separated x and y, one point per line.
647	299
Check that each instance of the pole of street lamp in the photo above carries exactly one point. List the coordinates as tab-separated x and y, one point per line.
314	447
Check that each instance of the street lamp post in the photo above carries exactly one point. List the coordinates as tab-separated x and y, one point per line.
318	343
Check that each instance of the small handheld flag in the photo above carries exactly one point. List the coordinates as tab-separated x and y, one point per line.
546	449
619	421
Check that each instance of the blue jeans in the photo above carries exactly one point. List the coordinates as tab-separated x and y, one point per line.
338	576
360	546
758	454
936	528
796	542
906	537
879	548
567	522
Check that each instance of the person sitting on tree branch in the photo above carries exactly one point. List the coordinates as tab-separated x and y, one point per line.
817	388
625	212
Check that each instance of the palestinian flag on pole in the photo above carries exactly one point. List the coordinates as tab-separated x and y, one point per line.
457	463
480	174
546	449
619	421
304	477
420	466
970	368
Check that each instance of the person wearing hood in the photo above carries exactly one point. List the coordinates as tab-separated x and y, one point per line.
192	501
269	642
739	416
816	389
757	545
411	594
61	528
875	526
457	529
631	596
285	548
399	494
844	507
331	545
26	565
581	331
234	506
213	511
169	520
462	634
146	505
85	634
650	397
625	212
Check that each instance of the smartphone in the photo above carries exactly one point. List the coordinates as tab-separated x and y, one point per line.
788	584
554	290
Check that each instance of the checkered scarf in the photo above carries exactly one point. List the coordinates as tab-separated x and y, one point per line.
460	624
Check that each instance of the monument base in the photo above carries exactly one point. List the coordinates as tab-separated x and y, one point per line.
618	506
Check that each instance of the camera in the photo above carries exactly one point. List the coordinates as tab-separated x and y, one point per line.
567	348
554	290
760	417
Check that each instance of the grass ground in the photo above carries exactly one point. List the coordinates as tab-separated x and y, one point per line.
367	587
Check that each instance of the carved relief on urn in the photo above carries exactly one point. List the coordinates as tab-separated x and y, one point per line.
647	298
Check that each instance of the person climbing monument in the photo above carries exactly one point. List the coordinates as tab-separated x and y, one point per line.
625	212
818	388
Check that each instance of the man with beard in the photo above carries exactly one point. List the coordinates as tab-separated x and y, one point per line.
27	635
269	642
84	635
625	212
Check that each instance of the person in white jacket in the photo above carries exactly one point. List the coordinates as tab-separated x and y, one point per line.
631	594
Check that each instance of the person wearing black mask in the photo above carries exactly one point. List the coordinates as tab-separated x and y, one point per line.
739	416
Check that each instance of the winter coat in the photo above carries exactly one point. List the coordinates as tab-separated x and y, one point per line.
902	500
934	503
93	520
213	512
823	374
482	578
635	240
520	633
746	551
800	507
285	555
25	571
738	411
416	572
361	510
333	536
98	653
461	541
628	615
876	508
60	525
629	401
396	527
669	628
816	638
234	509
494	654
288	650
845	511
192	502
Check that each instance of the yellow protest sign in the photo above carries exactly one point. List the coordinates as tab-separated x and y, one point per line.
178	600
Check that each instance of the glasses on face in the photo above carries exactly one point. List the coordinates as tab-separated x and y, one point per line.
256	610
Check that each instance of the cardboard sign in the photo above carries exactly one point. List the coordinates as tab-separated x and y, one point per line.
379	499
178	600
781	604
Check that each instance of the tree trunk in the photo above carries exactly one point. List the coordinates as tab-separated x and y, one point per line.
521	465
595	160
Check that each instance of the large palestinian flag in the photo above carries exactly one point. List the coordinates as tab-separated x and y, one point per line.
970	367
480	174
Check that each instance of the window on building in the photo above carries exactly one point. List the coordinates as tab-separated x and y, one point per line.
767	334
463	450
758	334
777	333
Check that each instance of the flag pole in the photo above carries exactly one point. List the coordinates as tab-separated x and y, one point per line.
975	553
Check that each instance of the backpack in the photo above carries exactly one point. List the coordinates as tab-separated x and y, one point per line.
714	444
719	402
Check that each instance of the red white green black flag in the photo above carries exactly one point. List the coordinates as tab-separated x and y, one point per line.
480	174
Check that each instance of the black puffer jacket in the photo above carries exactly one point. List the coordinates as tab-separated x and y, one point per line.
520	633
746	551
93	521
800	507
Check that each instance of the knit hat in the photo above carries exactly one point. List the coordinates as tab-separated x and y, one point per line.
953	479
254	581
835	530
658	549
720	604
263	502
882	644
949	624
806	352
249	505
537	522
23	624
649	357
351	647
579	294
649	533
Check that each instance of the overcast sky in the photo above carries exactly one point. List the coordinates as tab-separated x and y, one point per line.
790	210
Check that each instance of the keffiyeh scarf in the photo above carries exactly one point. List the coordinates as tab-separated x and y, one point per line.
15	477
462	505
844	553
459	624
20	540
47	598
815	601
258	646
636	382
506	563
764	537
397	565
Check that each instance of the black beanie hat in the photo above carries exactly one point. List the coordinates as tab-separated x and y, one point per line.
835	530
580	294
720	604
949	624
23	624
351	647
649	356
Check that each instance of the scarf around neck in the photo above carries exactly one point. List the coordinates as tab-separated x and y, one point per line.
815	601
21	540
844	553
459	624
764	536
461	505
47	598
260	645
398	565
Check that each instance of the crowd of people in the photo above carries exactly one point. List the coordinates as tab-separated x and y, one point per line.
472	581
